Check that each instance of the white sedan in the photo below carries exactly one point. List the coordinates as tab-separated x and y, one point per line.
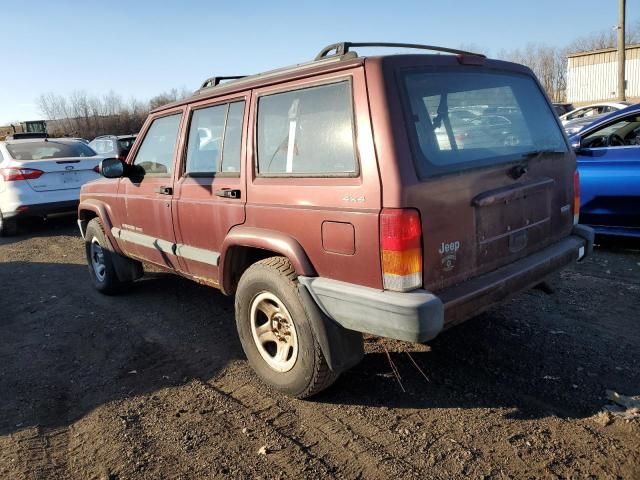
42	177
593	110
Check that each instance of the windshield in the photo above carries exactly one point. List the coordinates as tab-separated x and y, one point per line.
50	149
465	119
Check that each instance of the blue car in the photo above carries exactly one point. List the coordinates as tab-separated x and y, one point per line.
608	154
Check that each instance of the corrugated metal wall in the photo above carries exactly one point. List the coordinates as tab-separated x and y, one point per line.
592	77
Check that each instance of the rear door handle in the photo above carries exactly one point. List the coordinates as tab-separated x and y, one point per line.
164	190
228	193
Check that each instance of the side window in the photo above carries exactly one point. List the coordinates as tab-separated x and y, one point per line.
215	137
205	139
233	138
155	155
307	132
622	133
577	114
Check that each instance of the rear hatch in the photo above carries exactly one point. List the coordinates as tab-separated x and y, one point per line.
495	171
62	164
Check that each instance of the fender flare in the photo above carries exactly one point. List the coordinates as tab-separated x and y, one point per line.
264	239
102	211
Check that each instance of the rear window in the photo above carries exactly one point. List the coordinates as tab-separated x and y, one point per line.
466	119
50	149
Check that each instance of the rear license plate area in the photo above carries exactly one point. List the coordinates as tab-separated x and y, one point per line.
512	222
70	177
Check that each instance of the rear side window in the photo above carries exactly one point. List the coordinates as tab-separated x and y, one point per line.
49	149
215	136
155	155
307	132
465	119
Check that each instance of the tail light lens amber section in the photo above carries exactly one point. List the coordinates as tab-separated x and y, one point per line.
401	249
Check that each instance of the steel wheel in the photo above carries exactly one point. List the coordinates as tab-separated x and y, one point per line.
274	332
97	260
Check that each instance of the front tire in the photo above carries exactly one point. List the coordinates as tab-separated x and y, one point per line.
275	330
100	259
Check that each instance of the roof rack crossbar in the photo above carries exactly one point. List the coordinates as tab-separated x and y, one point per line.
215	81
343	47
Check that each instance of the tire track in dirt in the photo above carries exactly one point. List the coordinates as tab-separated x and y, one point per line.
352	446
39	453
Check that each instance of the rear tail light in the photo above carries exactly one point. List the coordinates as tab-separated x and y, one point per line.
16	174
401	249
97	168
576	197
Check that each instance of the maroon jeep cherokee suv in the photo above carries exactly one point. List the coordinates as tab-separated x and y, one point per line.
390	195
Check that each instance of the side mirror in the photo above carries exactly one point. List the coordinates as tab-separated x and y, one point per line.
112	168
575	143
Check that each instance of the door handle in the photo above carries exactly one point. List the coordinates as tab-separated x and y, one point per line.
164	190
228	193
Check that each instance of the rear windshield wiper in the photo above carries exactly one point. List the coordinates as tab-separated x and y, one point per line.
539	153
521	168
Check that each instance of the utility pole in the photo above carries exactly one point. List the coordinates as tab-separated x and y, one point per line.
621	52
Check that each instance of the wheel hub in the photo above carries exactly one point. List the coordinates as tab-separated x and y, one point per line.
97	260
273	332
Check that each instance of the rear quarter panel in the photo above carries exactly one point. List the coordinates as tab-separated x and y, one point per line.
300	206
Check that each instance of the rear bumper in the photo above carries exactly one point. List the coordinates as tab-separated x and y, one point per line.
44	209
467	299
420	315
415	316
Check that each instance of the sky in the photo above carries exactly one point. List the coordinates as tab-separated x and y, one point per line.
139	48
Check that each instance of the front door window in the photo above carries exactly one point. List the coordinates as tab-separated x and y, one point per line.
155	155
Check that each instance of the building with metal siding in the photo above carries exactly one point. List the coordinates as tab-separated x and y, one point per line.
592	76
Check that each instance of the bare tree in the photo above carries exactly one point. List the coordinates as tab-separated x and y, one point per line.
81	115
548	63
605	38
168	97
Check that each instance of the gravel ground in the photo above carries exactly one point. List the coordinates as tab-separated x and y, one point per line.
153	383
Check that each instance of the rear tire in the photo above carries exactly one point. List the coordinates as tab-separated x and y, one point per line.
276	332
8	226
100	259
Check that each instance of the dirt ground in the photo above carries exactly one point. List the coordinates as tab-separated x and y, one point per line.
153	383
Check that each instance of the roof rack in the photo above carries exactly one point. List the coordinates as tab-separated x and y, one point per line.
343	47
215	81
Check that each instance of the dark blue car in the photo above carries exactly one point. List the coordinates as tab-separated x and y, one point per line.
608	154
